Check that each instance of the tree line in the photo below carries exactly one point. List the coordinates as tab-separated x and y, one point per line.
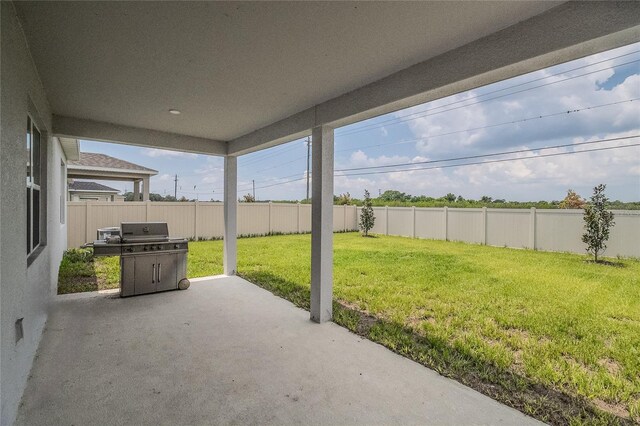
393	198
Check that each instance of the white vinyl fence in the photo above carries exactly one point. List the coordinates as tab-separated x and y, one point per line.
549	230
198	220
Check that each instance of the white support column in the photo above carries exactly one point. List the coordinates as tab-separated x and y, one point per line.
230	215
322	224
145	189
136	190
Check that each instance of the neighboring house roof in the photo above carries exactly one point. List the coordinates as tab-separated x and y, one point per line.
95	161
80	186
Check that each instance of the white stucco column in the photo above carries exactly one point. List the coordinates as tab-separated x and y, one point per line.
230	215
145	189
136	190
322	224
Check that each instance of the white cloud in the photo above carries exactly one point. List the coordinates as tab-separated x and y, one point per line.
569	95
163	177
360	159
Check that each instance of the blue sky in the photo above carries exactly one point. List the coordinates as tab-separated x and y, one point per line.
505	116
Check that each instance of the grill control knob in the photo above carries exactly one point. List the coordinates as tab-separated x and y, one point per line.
177	246
145	248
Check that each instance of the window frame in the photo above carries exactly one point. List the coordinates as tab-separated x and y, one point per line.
33	187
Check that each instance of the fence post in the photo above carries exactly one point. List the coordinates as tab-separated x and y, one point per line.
532	229
344	215
298	217
195	221
269	230
87	234
446	223
484	226
413	221
386	220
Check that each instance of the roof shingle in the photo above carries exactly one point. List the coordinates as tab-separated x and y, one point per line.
93	159
89	186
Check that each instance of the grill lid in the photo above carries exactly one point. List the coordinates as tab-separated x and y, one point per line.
144	231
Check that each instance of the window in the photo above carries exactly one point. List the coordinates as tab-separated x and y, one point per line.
34	173
63	191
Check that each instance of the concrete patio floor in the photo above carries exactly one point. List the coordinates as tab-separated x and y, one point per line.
228	352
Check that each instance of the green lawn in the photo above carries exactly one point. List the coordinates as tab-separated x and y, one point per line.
548	333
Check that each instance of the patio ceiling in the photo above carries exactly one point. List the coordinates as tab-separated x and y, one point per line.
251	75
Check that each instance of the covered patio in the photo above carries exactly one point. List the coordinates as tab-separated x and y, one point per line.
228	79
228	352
313	73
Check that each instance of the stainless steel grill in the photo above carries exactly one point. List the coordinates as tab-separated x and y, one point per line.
150	261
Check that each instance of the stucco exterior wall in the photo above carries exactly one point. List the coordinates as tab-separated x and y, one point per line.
25	291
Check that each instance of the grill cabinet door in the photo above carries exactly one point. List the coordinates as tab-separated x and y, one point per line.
167	272
127	276
145	274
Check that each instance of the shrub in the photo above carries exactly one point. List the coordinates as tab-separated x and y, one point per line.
78	255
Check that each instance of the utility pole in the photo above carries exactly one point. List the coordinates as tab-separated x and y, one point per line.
253	182
175	188
308	159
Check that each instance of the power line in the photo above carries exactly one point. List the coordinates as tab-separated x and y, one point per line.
381	124
478	162
518	151
445	160
522	120
424	113
428	112
502	160
275	151
279	183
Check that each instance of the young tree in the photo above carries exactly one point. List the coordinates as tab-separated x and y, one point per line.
367	219
597	222
572	201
